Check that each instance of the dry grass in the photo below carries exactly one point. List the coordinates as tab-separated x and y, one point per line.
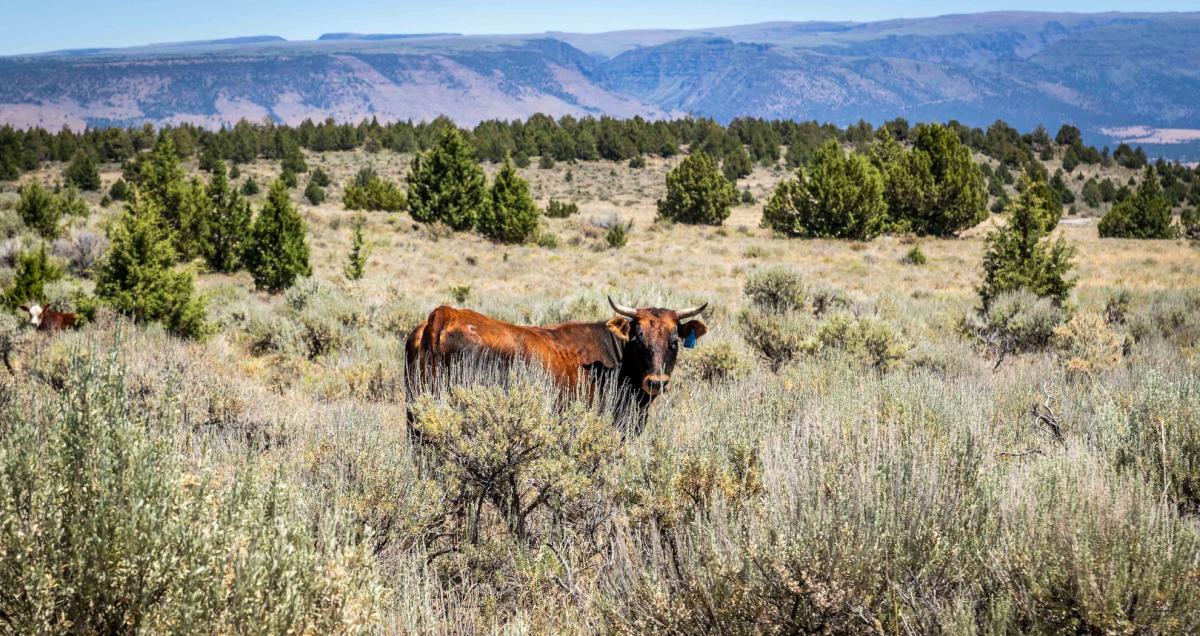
916	497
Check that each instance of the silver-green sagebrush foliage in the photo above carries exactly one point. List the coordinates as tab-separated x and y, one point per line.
104	528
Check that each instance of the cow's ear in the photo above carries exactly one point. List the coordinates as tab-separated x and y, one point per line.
24	308
620	328
691	331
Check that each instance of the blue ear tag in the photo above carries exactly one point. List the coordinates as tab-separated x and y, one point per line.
691	340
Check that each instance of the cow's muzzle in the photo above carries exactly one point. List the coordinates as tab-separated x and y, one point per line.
655	384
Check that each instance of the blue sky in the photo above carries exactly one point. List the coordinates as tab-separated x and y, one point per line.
32	26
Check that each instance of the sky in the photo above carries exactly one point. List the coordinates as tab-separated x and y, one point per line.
30	26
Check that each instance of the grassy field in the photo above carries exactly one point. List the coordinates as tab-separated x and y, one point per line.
886	478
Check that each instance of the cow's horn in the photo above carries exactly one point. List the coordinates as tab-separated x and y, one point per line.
628	312
688	313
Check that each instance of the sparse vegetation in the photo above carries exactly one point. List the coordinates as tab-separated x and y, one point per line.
854	447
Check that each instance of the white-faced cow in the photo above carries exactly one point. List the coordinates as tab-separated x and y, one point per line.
44	319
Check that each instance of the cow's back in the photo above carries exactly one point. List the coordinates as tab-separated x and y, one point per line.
450	333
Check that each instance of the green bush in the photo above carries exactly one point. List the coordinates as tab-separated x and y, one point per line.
369	191
873	340
1021	255
933	189
106	529
717	362
511	451
288	178
1189	223
83	171
356	260
227	225
320	177
510	215
778	338
914	256
119	190
276	252
1171	317
40	210
250	187
697	193
1145	215
35	269
777	290
1156	435
446	184
617	233
736	164
836	196
137	277
556	209
314	193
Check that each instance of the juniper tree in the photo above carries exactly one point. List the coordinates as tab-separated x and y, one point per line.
959	199
736	164
1021	254
40	210
35	268
276	252
837	196
356	261
227	225
369	191
1145	215
510	215
250	187
82	172
697	192
446	184
314	193
137	277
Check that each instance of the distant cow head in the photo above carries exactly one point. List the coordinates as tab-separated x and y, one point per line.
652	337
35	314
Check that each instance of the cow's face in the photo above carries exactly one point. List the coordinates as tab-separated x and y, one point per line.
35	314
652	339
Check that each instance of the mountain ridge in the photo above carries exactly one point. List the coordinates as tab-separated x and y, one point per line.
1101	71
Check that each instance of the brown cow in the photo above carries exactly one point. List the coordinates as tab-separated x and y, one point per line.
639	345
48	319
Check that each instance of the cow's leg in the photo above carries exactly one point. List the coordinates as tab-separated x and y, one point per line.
413	376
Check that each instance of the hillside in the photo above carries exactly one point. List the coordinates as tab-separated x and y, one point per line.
1104	72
